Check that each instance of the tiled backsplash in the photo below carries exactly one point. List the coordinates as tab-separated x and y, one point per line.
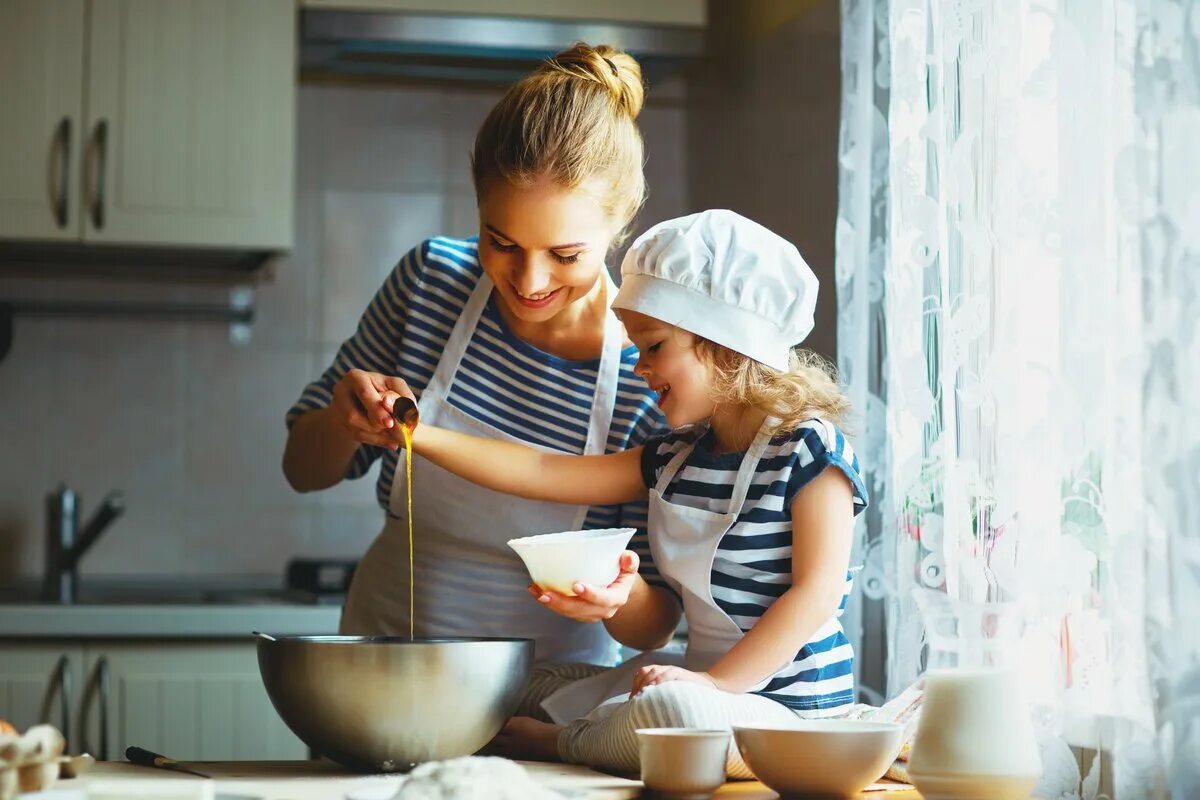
189	426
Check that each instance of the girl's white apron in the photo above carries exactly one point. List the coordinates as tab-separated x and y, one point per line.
683	541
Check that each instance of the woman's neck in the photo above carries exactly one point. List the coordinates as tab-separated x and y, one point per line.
734	427
576	333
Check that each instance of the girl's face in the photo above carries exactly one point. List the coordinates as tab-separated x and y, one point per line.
669	364
542	245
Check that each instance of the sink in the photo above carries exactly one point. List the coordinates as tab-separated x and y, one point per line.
101	594
121	596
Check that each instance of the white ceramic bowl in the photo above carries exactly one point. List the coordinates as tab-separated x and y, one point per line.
686	763
834	757
557	561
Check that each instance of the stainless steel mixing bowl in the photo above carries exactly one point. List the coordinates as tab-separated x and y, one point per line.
380	703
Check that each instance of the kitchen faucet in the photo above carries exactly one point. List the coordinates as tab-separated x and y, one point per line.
63	548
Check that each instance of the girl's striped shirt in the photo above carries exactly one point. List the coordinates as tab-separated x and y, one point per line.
502	380
753	562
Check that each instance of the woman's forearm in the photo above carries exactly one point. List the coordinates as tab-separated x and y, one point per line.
775	639
647	619
318	452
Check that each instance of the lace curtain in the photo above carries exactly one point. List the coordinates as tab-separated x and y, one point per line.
1018	276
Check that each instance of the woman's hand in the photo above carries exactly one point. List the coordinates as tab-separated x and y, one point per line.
655	674
362	407
592	603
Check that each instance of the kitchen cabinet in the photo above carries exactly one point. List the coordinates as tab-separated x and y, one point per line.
41	683
138	122
192	700
41	114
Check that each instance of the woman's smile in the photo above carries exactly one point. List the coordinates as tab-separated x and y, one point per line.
543	245
538	299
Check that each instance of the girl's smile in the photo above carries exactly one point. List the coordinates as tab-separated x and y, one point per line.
669	364
661	390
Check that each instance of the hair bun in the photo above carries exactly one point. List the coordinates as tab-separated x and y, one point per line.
614	69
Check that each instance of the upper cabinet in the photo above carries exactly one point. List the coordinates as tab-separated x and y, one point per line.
41	118
140	122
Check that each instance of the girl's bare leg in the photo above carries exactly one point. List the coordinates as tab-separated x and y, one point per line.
528	739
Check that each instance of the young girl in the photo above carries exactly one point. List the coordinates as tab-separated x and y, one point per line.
753	494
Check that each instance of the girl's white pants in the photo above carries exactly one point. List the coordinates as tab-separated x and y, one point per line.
606	737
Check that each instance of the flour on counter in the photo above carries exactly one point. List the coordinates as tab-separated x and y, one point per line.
473	778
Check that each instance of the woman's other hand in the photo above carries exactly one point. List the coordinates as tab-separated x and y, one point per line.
655	674
593	603
362	407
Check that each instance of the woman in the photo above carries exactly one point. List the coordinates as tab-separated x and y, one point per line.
509	337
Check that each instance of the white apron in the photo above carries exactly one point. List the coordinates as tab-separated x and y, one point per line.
683	541
468	581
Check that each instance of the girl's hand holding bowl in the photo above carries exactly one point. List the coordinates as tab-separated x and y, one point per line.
583	575
592	603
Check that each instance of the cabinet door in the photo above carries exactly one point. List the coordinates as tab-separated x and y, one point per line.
192	701
41	91
191	119
41	683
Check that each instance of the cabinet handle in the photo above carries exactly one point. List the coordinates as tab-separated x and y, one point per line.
102	679
63	139
100	143
61	680
97	685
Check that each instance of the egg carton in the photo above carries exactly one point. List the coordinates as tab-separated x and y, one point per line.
34	761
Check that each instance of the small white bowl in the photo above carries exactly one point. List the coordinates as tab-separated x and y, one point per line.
557	561
683	763
832	757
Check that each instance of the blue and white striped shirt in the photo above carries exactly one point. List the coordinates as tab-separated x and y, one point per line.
753	563
502	380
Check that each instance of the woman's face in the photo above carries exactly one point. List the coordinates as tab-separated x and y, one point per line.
542	245
669	363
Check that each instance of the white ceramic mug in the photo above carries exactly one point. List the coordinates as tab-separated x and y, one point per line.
683	763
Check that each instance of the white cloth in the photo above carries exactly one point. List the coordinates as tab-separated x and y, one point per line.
683	540
607	737
468	581
723	277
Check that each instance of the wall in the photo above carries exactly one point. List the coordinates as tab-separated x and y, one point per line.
763	112
189	426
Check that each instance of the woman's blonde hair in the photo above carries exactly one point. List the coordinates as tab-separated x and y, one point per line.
572	118
807	389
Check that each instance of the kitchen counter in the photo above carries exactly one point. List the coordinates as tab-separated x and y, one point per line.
146	621
322	780
166	607
308	780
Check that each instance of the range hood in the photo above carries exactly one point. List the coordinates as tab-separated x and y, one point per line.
397	42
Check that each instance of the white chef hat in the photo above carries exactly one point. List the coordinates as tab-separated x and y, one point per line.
721	276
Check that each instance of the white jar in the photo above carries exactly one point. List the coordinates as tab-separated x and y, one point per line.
975	739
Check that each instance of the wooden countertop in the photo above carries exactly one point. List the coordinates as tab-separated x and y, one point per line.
323	780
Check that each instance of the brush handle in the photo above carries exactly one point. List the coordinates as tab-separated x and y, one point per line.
145	758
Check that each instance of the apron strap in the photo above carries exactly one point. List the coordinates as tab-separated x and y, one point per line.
608	377
749	465
673	466
745	476
456	344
